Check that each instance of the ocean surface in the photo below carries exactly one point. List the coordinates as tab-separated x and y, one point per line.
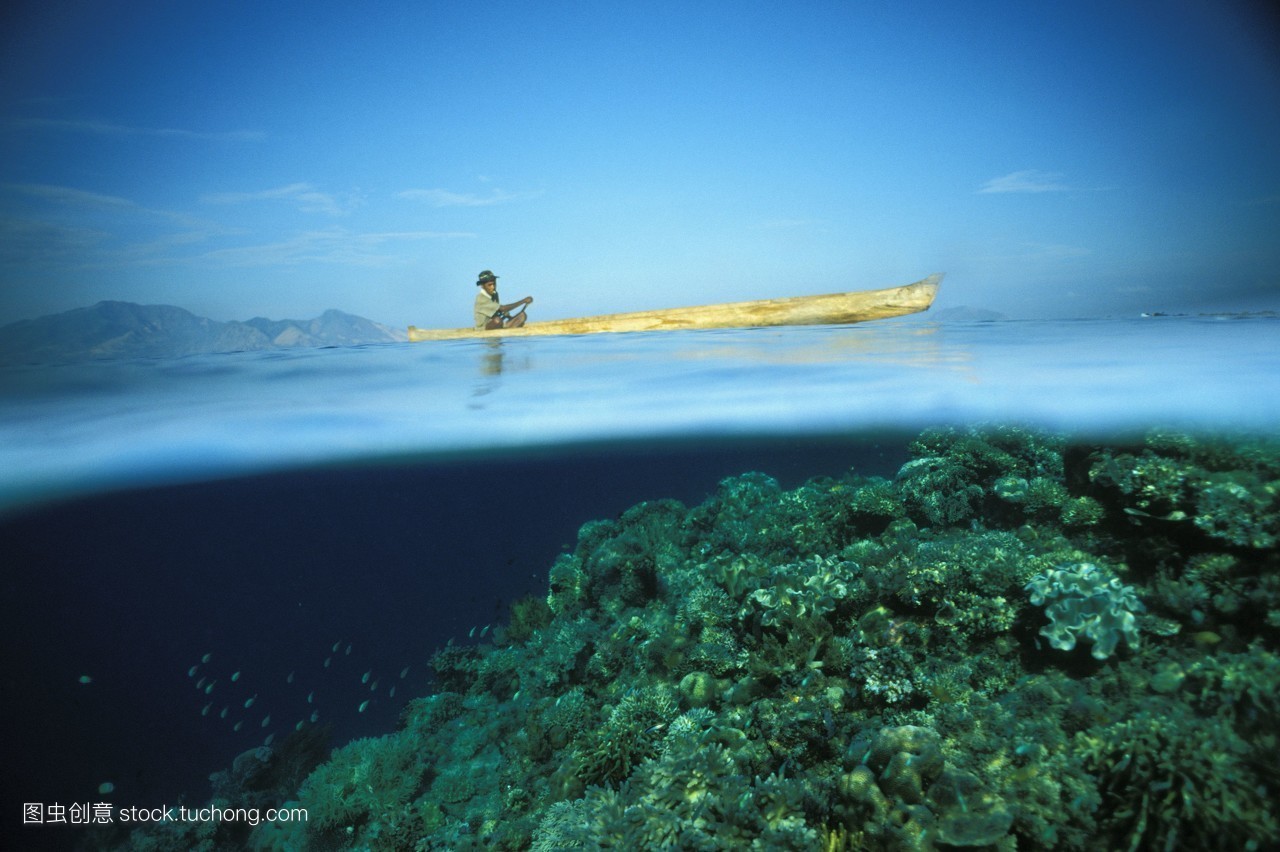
203	553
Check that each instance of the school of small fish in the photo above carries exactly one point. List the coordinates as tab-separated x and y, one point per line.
234	703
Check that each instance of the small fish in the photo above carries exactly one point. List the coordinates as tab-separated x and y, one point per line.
363	705
404	671
206	658
653	729
365	677
298	727
315	716
85	680
208	690
289	679
266	720
200	683
391	693
237	726
484	631
472	634
223	714
205	710
328	661
311	698
373	687
336	646
269	738
348	651
106	788
248	702
191	672
235	676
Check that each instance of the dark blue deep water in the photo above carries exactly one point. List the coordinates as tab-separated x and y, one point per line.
298	532
267	573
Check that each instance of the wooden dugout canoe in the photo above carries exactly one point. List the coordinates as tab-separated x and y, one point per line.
831	309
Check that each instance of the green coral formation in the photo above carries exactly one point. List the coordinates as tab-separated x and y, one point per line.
859	663
1085	603
1228	491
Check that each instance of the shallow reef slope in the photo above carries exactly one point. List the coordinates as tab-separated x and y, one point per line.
1016	643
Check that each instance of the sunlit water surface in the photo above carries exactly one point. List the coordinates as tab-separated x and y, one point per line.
98	426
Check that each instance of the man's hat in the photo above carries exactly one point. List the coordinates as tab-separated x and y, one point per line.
486	277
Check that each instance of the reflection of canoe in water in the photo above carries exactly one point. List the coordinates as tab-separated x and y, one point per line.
832	309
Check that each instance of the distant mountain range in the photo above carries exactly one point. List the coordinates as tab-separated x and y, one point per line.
128	330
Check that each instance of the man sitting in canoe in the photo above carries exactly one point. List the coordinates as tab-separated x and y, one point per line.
490	313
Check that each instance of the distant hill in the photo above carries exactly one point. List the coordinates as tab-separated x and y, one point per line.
963	313
128	330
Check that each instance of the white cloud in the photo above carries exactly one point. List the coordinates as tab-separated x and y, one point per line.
79	202
307	197
103	128
792	224
1029	180
73	197
330	245
1022	260
32	243
38	244
446	198
92	230
1136	290
1056	251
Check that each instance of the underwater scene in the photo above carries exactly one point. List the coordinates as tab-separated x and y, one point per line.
910	586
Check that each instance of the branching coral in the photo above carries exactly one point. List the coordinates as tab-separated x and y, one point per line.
630	734
363	781
694	796
1177	781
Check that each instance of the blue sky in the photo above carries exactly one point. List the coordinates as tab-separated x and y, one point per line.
277	159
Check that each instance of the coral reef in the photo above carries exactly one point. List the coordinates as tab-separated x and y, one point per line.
857	663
